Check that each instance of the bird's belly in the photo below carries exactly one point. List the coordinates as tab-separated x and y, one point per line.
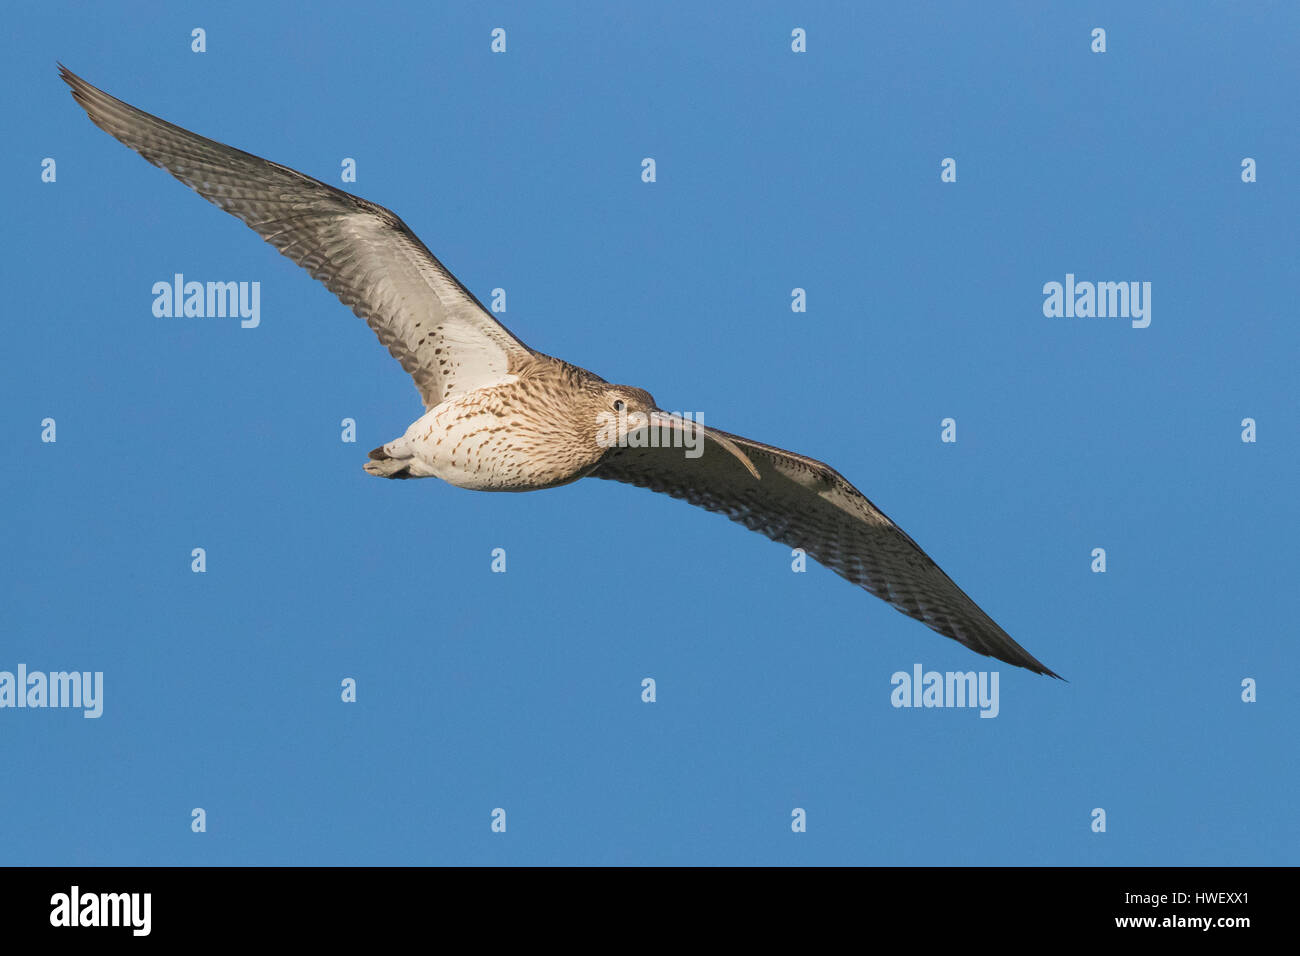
482	449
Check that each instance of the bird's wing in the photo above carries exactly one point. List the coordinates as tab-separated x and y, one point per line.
363	253
806	504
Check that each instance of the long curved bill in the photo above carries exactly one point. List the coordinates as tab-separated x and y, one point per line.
667	424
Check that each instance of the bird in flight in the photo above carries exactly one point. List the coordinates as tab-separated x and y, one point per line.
500	416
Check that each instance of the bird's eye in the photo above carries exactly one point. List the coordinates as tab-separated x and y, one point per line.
619	405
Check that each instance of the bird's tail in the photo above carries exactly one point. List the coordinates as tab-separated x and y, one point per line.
384	465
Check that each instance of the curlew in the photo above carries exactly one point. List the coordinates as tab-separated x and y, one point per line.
500	416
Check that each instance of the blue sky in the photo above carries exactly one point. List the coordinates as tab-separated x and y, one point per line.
522	690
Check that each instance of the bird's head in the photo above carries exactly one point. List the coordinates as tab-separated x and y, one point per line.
618	411
628	405
628	416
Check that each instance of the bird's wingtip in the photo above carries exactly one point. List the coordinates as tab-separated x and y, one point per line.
1039	668
74	81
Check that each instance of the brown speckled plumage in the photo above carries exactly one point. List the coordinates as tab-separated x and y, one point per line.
501	416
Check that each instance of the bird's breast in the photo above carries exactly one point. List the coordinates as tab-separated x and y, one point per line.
496	439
